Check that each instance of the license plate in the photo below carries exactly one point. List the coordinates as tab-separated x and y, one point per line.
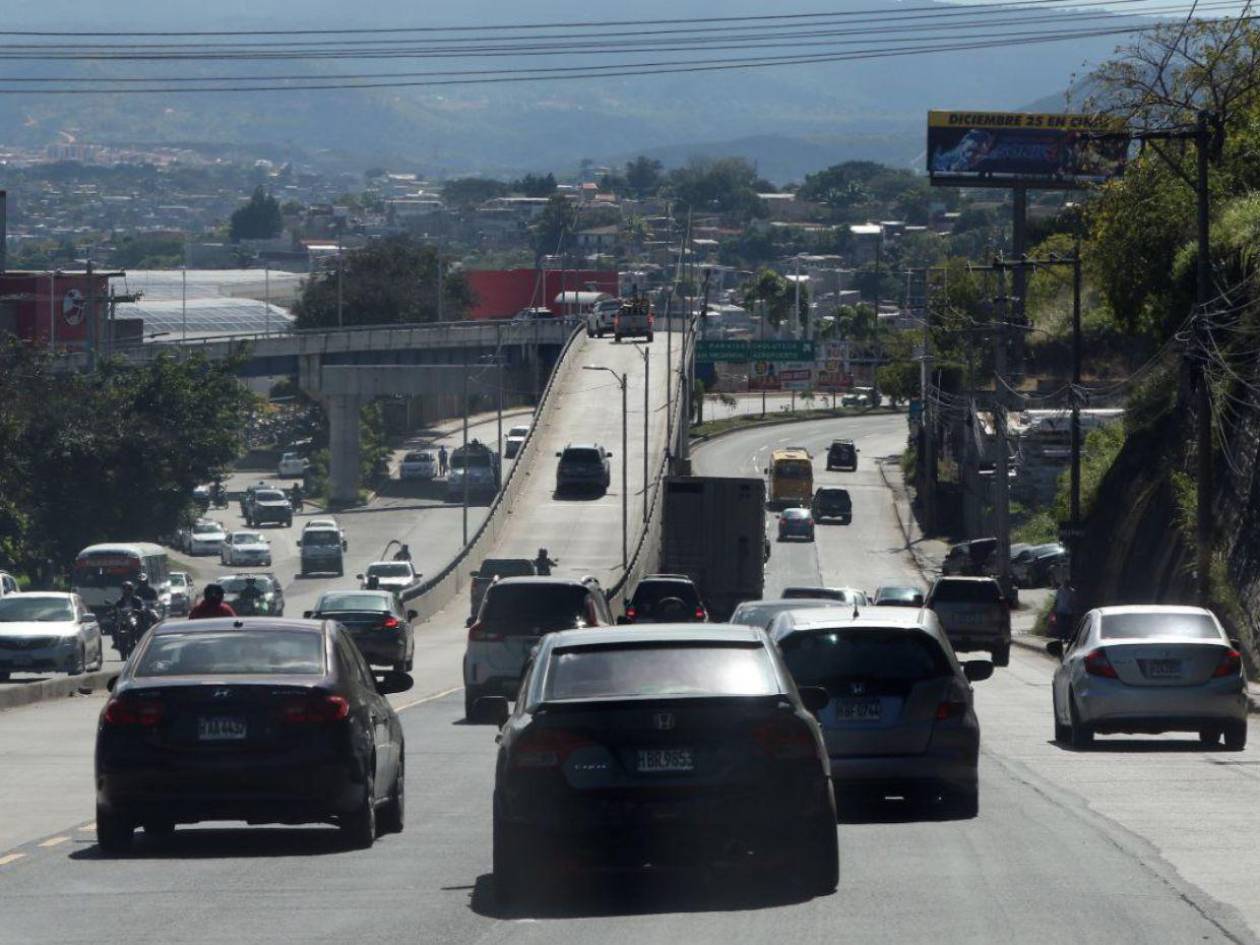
220	728
1163	669
666	759
858	710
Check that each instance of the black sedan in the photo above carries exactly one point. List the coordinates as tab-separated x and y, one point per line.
796	523
257	719
376	622
671	744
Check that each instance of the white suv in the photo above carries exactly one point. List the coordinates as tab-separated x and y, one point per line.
514	615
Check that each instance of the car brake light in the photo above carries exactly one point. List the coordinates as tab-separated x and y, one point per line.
316	710
1230	665
786	739
478	633
631	613
950	710
700	614
390	623
1097	664
122	710
546	748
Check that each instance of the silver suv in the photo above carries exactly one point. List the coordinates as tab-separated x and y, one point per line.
515	614
974	614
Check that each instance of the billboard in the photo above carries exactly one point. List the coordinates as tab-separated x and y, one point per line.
1010	149
65	308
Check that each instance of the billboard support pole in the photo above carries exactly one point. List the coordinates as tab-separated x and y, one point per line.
1019	275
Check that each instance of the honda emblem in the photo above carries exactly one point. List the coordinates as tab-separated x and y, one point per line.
664	721
857	688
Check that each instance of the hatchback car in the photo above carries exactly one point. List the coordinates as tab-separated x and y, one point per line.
583	468
665	598
844	595
761	613
1149	669
245	549
254	719
974	614
833	503
796	523
48	632
418	464
514	440
206	538
515	614
898	595
670	745
899	719
376	622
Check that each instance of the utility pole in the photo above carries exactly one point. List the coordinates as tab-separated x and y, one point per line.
928	425
1202	140
340	296
647	391
464	456
1076	404
1001	471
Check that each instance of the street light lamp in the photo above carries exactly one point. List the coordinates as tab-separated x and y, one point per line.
625	482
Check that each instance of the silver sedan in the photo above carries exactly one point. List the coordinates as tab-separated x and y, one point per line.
42	632
1149	669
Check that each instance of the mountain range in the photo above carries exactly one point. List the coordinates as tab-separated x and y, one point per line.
789	120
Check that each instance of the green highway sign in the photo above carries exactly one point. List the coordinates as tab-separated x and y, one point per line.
722	350
790	350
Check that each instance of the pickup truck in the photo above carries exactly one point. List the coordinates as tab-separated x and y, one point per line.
634	319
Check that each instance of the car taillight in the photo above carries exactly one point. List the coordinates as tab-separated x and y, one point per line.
631	613
1097	664
546	748
123	710
478	633
950	710
786	739
1230	665
315	710
390	623
700	614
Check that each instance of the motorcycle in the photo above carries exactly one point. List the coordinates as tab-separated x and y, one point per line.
249	606
130	625
218	498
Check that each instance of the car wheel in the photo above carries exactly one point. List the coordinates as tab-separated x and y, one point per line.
393	814
1236	736
1062	733
471	696
1082	736
649	337
79	666
510	876
159	829
617	338
340	572
113	834
820	867
359	827
1002	655
4	675
1209	737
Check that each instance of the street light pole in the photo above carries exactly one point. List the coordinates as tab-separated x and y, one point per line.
622	380
464	458
647	391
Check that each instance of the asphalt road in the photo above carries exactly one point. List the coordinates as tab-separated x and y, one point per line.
1140	841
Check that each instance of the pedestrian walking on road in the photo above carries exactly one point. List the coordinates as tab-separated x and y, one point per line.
1064	608
442	460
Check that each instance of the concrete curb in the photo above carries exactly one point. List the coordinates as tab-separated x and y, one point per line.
781	421
13	695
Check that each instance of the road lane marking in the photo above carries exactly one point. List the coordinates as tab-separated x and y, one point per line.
53	841
89	828
10	858
432	698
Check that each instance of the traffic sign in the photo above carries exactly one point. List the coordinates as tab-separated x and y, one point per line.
728	350
788	350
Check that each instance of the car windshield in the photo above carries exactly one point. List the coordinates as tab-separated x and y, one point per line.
19	609
472	461
506	567
611	672
844	595
247	538
581	456
829	659
389	569
761	613
529	609
321	536
207	528
269	495
967	592
342	603
236	583
897	593
418	458
650	595
255	653
1159	626
178	579
518	431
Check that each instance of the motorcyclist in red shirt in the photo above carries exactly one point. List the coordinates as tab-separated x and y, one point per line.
211	605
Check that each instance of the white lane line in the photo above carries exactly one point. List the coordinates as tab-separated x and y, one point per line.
89	828
11	858
53	841
432	698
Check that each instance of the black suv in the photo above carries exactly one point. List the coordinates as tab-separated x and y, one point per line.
583	467
842	454
833	503
665	598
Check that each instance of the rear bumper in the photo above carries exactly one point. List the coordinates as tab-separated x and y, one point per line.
1110	705
975	638
380	650
952	768
492	685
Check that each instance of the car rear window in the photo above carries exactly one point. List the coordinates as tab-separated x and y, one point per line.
338	603
609	672
801	514
518	431
580	456
236	652
418	458
833	495
321	536
829	659
506	567
1159	626
269	495
760	615
821	593
649	595
530	609
967	592
236	583
389	569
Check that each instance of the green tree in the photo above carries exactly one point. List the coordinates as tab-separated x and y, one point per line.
553	231
259	219
469	192
771	290
644	176
390	281
535	185
725	185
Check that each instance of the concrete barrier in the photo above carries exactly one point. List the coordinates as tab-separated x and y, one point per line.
14	694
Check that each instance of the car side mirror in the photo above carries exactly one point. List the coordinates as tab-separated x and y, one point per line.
390	683
489	710
977	670
1236	644
557	455
345	545
470	621
1055	649
308	614
111	683
412	615
608	455
917	600
358	577
815	698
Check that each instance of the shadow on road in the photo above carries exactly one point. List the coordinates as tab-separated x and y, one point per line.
647	892
893	810
1104	745
196	843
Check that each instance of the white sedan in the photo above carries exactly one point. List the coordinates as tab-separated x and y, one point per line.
291	465
389	575
514	440
1148	669
245	548
206	539
48	632
418	464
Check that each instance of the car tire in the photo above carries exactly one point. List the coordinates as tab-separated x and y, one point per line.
617	338
471	696
359	827
1080	734
1002	655
820	867
288	523
510	872
649	337
113	833
1062	733
1236	736
4	675
159	829
79	666
1209	737
393	815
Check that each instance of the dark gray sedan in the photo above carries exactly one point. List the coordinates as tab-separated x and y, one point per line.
375	621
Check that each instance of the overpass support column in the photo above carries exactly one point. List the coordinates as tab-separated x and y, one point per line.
343	447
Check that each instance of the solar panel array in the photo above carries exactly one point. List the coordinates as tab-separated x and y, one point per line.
217	316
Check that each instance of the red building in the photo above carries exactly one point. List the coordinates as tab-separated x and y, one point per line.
501	293
66	309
